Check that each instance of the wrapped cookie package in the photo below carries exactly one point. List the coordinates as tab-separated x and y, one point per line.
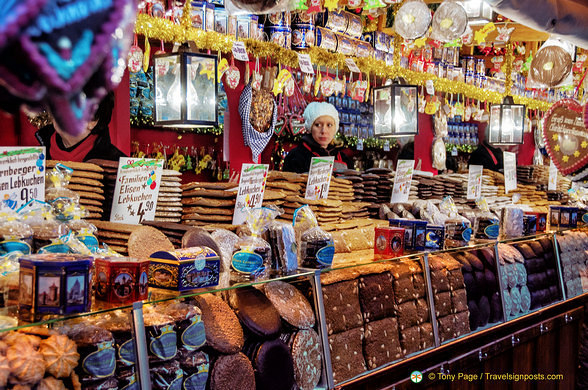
315	246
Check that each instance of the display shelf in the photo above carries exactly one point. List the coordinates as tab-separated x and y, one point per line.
166	30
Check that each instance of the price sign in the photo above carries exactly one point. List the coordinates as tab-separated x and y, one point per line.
386	146
239	51
251	189
352	65
510	171
319	177
475	181
136	190
359	145
305	63
22	176
552	184
402	180
430	87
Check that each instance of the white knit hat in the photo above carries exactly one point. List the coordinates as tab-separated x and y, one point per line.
316	109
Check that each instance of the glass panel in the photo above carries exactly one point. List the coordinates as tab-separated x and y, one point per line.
529	275
405	110
507	125
494	124
573	261
201	96
167	88
518	113
382	111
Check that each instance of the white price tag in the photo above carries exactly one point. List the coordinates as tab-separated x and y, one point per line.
319	177
386	146
352	65
402	180
240	51
305	63
430	87
22	176
552	184
475	181
359	145
454	151
510	171
136	190
251	190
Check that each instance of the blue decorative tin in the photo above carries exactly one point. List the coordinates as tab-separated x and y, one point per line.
184	269
334	21
53	284
302	36
414	232
434	237
325	39
281	36
345	45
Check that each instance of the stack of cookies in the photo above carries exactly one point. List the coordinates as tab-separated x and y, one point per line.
169	202
352	210
115	235
325	210
208	203
288	183
384	185
341	189
370	187
86	181
356	183
110	171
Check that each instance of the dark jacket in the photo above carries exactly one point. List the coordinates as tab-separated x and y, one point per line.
102	148
298	159
488	156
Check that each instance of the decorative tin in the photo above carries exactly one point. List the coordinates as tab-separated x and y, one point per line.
232	25
414	232
389	242
363	49
380	55
121	280
221	21
243	22
345	45
378	39
184	269
334	21
301	17
281	36
354	25
529	225
302	36
325	39
203	15
53	284
434	237
278	19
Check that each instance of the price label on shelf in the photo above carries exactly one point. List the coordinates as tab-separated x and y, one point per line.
402	180
352	65
22	176
305	63
359	145
240	51
386	146
319	177
510	171
136	190
552	184
251	190
475	181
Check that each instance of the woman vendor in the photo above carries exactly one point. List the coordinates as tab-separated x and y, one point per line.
322	122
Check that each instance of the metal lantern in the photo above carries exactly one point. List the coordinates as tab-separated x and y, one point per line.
185	89
507	123
396	111
478	11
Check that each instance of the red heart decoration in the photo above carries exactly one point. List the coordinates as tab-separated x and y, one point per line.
566	137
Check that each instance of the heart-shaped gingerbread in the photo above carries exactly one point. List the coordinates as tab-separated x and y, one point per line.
566	137
16	14
232	75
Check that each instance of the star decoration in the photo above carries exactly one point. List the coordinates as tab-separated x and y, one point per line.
584	144
556	148
565	158
554	137
132	213
480	35
130	208
420	42
576	154
144	185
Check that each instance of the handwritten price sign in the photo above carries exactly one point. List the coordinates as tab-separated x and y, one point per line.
319	177
251	190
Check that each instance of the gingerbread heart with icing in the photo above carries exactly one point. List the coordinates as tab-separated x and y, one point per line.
566	137
15	15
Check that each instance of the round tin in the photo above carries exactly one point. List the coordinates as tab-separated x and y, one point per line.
380	55
334	21
302	36
480	66
469	77
354	25
345	45
470	64
363	49
281	36
278	19
325	39
301	17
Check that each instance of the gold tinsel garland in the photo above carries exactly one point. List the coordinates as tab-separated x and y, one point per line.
166	30
508	69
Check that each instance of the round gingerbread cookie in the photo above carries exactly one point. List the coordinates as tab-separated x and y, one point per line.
291	304
232	371
306	354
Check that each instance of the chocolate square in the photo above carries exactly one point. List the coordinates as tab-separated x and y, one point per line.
439	280
347	354
442	303
427	336
407	314
422	308
455	279
342	308
418	280
410	340
376	296
382	343
459	300
404	289
446	327
462	323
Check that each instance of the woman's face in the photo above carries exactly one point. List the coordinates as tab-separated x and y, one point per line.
323	130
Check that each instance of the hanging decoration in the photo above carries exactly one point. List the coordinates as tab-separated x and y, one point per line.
232	75
480	35
413	19
449	21
135	57
504	33
331	5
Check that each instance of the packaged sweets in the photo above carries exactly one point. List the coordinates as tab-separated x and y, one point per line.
252	254
161	336
283	245
487	225
189	326
96	349
511	222
315	246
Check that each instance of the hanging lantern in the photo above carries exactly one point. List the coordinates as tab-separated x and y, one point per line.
507	123
185	89
478	11
396	111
